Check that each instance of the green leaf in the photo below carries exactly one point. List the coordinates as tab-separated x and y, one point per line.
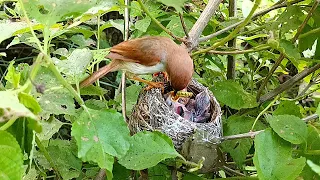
11	108
11	158
49	12
83	42
101	135
50	127
93	90
290	51
56	99
147	150
13	76
239	148
8	28
101	7
132	94
177	4
273	157
233	95
76	63
29	101
143	24
175	26
314	167
289	108
313	138
65	159
31	175
96	104
289	127
289	20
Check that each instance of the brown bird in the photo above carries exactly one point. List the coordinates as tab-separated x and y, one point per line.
148	55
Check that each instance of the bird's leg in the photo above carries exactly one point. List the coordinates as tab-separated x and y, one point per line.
165	75
150	83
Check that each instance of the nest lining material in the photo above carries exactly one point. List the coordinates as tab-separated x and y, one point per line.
152	113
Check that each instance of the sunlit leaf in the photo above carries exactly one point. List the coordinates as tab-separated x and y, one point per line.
11	158
101	134
233	95
11	108
147	150
273	157
289	127
177	4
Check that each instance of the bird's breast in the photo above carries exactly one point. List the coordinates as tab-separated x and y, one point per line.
137	68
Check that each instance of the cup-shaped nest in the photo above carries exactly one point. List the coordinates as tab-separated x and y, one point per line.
193	140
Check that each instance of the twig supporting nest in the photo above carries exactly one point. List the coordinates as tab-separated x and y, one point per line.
152	113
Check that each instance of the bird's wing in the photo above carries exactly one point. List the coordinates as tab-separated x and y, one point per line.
142	51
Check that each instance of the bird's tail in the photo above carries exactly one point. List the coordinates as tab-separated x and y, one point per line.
113	65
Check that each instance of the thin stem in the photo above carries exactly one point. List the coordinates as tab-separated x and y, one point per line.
183	25
57	74
289	83
47	156
232	171
98	46
33	73
143	7
8	124
233	33
313	31
255	49
262	112
250	134
37	41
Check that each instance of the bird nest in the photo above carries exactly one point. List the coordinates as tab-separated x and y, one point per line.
151	113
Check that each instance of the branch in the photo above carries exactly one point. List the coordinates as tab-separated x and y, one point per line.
143	7
233	33
277	63
252	134
231	66
241	136
256	49
255	16
184	25
201	23
286	85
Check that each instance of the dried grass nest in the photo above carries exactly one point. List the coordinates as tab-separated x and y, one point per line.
152	113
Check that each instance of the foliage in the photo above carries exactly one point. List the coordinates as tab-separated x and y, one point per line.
49	128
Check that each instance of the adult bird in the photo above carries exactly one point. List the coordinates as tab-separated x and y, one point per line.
149	55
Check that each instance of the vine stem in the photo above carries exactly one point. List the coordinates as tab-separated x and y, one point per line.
143	7
281	57
8	124
255	49
252	134
233	33
57	74
47	156
262	112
